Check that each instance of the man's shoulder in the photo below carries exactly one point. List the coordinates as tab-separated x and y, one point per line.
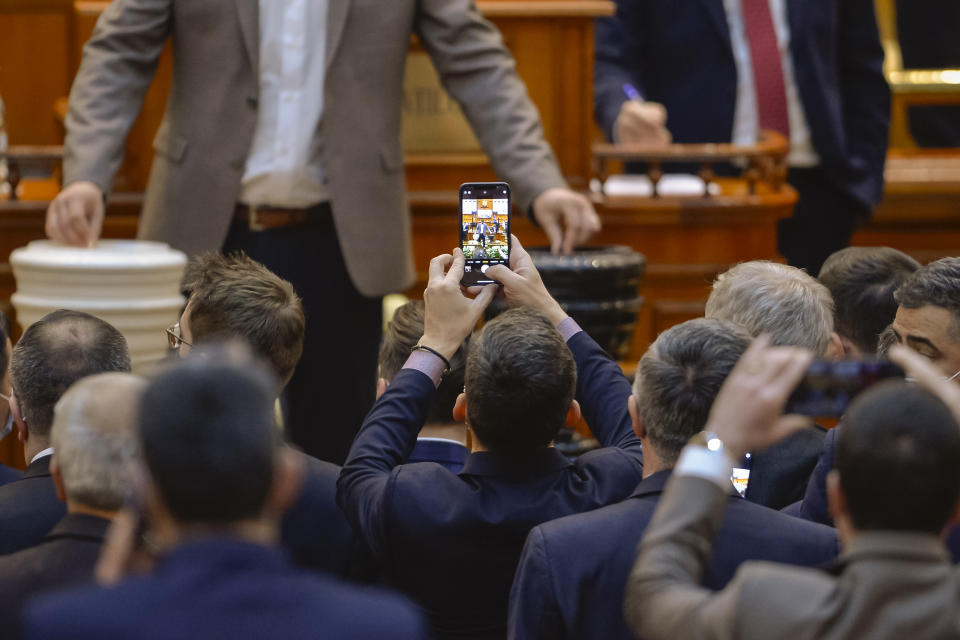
798	541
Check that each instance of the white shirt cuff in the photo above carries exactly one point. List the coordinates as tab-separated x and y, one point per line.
703	463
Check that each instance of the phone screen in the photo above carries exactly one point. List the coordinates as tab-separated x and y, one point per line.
484	229
828	387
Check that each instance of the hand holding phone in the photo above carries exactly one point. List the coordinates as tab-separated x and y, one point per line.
484	228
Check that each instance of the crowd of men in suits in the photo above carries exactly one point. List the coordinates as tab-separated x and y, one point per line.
171	506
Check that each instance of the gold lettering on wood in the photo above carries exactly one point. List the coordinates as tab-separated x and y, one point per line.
432	120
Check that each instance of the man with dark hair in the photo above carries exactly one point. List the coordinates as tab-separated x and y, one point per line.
571	577
523	369
862	281
219	480
53	353
236	297
928	321
94	434
11	453
895	488
440	440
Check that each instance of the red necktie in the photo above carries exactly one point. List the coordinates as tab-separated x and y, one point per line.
767	68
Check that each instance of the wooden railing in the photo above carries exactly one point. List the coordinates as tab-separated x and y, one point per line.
34	161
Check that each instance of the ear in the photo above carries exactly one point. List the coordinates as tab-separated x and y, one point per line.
382	385
57	477
460	408
22	433
835	349
288	473
836	501
573	414
635	417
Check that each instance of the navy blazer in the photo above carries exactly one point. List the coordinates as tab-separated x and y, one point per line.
66	557
452	541
779	475
29	507
222	588
679	54
572	575
814	506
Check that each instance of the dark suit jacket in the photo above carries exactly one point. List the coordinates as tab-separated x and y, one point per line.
66	557
814	507
778	476
315	532
450	454
29	508
222	588
9	474
679	54
572	574
452	541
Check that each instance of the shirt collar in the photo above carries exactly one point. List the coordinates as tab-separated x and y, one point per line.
541	461
46	452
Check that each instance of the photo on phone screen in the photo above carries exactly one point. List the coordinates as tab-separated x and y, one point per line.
484	223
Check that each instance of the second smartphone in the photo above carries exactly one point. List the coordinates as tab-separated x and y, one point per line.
484	223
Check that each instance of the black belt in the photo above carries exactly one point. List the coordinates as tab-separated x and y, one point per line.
260	218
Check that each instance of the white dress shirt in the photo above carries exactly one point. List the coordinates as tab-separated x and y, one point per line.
745	119
284	167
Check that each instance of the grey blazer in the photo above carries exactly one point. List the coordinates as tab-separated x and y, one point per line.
206	133
888	584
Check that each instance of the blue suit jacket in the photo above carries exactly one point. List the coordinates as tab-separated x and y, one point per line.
452	541
679	54
222	588
571	578
814	507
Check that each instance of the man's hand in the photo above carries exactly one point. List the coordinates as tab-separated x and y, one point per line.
76	215
642	122
450	316
523	286
566	217
920	370
748	412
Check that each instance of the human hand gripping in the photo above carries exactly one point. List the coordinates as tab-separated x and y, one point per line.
450	316
747	415
567	217
75	216
522	285
921	371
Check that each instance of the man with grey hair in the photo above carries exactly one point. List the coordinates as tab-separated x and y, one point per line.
571	577
95	439
795	310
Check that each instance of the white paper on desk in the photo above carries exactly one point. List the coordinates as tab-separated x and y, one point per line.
671	184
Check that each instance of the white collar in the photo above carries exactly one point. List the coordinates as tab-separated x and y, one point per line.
46	452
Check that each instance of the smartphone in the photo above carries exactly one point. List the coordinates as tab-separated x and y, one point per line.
740	477
829	386
484	223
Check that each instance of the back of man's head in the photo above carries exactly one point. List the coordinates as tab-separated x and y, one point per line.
936	284
235	296
782	301
898	457
680	375
402	334
520	382
209	439
56	351
95	436
861	281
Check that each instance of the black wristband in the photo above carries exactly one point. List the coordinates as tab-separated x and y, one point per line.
446	363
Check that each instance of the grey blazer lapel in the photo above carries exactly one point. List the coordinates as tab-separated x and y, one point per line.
336	18
248	14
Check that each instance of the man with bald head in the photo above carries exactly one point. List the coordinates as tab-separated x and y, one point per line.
94	435
53	353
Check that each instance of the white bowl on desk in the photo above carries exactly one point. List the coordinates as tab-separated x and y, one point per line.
133	285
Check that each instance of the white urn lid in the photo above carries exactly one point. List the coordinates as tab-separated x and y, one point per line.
107	254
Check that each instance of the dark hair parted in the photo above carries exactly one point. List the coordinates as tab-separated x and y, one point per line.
679	377
520	381
56	351
936	284
898	455
234	296
208	437
862	281
402	334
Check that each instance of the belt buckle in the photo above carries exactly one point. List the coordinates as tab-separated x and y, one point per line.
252	219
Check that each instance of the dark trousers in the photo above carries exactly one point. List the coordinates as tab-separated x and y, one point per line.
823	220
334	384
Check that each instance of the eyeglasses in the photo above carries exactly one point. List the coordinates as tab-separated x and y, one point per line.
173	337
